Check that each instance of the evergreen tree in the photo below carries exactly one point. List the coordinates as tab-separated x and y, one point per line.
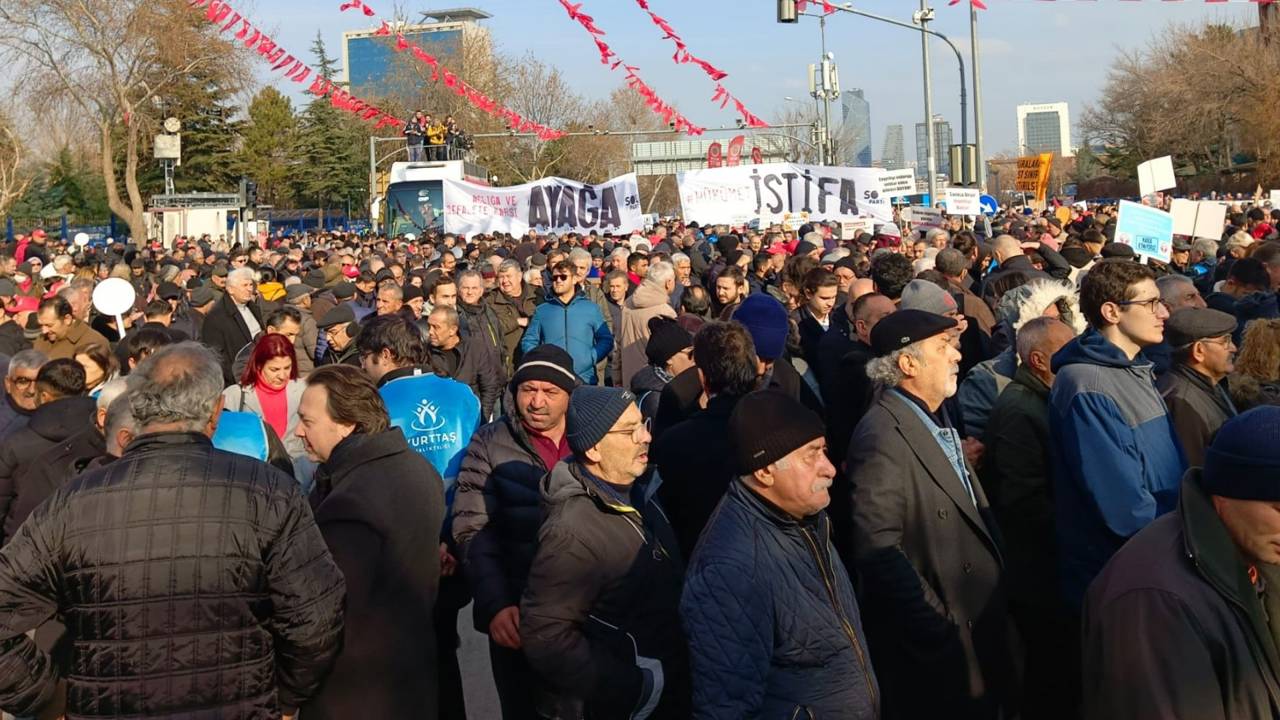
267	152
332	148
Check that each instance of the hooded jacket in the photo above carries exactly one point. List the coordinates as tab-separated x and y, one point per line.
576	326
647	386
1116	459
602	602
50	424
648	301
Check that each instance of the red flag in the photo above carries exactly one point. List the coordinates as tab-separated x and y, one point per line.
714	159
735	150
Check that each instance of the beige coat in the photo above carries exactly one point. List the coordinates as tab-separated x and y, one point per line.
646	302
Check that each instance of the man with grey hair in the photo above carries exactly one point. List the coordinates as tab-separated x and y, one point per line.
1202	264
925	547
1178	292
235	321
513	303
80	297
117	428
651	299
220	546
954	266
20	391
937	238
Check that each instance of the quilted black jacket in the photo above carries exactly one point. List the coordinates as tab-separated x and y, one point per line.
193	583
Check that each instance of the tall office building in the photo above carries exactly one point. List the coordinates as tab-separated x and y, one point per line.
1044	128
857	123
370	61
942	140
893	157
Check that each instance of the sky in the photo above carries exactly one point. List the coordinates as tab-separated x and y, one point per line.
1032	51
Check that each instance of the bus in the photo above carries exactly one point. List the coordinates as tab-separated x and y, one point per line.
414	201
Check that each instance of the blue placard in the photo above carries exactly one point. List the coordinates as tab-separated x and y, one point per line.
1145	229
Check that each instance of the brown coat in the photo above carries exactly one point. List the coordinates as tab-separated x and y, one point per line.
645	303
77	339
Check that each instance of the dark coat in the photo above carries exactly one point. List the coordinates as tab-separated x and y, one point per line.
473	365
930	568
12	417
219	545
12	339
51	424
497	510
49	471
1197	408
509	310
226	332
603	594
696	462
378	504
1173	627
479	323
811	333
774	629
1006	277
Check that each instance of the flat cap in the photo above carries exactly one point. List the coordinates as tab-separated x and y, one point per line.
202	296
1181	244
298	290
337	316
906	327
1117	250
344	290
1191	324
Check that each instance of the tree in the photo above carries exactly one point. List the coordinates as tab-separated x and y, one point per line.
267	152
330	144
13	183
111	59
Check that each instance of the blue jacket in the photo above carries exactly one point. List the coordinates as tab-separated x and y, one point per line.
578	327
772	622
1117	463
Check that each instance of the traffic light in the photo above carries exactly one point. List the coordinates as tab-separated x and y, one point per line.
787	11
248	193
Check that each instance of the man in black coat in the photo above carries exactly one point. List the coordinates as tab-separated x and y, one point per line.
463	359
1180	621
1193	387
497	512
219	543
378	504
1015	269
845	388
234	321
63	411
924	544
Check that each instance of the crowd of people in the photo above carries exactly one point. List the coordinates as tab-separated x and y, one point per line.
433	140
710	472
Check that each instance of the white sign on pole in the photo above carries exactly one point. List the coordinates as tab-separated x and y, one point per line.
548	205
849	229
1198	219
716	195
922	217
963	201
897	183
1275	198
1156	175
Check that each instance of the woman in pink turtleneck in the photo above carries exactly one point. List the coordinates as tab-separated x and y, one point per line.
270	388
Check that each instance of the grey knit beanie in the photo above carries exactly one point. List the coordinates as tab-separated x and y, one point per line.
592	413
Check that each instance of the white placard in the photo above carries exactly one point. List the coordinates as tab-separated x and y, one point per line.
963	201
849	229
1156	175
547	205
716	195
922	217
1198	219
897	183
1275	199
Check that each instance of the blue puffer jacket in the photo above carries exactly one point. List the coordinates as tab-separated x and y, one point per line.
772	622
578	327
1117	462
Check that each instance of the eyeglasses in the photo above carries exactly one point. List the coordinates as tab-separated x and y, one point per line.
635	431
1151	304
559	278
22	382
1225	341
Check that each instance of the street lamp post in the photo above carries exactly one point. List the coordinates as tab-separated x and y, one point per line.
922	19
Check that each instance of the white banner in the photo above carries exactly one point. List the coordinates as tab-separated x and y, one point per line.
547	205
897	183
734	195
963	201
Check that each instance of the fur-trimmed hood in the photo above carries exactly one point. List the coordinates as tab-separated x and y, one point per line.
1022	304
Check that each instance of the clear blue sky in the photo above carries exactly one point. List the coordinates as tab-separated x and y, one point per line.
1034	51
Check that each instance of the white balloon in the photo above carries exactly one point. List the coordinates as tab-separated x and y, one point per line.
114	296
82	239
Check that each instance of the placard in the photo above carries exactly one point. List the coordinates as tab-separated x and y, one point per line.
1199	219
897	183
922	217
1275	199
849	229
547	205
1156	175
1033	175
1147	230
963	201
825	193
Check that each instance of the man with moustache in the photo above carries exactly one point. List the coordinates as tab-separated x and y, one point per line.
924	541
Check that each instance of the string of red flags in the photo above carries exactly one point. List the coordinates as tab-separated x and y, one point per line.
827	7
439	72
611	59
227	19
979	4
684	56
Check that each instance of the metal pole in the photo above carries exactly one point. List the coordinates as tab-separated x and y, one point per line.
977	98
826	96
931	152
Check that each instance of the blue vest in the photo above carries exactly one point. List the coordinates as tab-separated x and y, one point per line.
242	433
438	417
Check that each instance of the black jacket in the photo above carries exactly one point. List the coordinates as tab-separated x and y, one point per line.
931	573
1197	408
378	504
50	470
603	595
12	417
1013	272
472	364
50	424
496	515
192	582
811	334
696	462
12	339
1173	626
225	331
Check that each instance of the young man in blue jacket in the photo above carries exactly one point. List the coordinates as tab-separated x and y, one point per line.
570	320
1117	462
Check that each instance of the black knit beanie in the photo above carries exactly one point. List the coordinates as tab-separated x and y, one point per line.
666	338
546	363
768	425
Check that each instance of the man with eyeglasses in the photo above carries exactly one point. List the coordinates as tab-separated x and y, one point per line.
1203	356
1116	458
20	397
571	321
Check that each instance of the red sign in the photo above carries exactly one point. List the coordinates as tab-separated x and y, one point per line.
757	156
714	158
735	151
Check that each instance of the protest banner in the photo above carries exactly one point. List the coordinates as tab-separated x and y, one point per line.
923	217
548	205
1156	175
1147	230
1198	219
849	229
1033	175
963	201
897	183
763	191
